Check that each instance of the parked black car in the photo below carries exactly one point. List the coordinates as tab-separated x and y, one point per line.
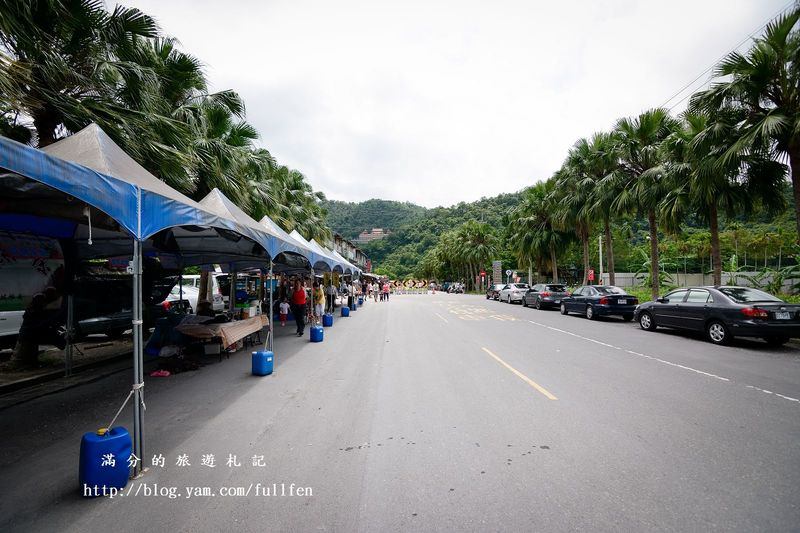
544	295
600	300
722	313
493	292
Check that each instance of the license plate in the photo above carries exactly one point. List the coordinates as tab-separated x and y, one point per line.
622	302
783	316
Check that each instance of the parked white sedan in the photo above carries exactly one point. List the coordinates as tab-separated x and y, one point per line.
513	292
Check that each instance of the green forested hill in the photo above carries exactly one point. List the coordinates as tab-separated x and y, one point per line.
399	253
349	218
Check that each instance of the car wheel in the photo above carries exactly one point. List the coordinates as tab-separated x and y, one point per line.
538	304
590	313
646	322
564	309
628	317
776	341
508	300
717	333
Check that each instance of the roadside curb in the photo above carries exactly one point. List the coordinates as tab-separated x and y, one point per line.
35	387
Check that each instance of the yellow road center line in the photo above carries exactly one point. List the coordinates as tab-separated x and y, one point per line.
522	376
440	316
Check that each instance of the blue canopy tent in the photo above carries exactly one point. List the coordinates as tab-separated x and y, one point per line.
306	251
285	253
354	269
322	261
86	186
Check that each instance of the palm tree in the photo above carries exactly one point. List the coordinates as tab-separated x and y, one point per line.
60	63
571	199
533	231
598	158
706	182
641	187
765	84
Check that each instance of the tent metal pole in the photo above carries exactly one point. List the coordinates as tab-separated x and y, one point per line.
232	295
138	421
269	311
70	326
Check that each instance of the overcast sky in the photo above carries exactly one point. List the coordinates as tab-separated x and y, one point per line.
435	102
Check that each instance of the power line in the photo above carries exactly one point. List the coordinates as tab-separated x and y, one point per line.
750	36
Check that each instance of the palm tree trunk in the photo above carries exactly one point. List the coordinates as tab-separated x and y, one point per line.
554	262
610	253
716	253
585	239
655	286
794	164
45	123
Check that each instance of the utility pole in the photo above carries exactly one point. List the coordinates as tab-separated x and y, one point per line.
600	253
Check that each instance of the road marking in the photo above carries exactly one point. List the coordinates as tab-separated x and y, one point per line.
440	316
765	391
662	361
638	354
522	376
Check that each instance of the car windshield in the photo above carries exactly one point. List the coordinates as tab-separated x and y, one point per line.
746	295
610	290
555	288
521	285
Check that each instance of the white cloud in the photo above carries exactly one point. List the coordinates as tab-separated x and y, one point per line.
438	102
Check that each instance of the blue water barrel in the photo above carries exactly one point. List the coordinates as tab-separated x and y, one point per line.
360	300
104	460
327	320
354	306
262	363
345	311
316	333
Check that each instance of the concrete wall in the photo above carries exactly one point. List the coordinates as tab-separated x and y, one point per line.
628	279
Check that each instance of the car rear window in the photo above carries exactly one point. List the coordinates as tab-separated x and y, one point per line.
610	290
555	288
746	295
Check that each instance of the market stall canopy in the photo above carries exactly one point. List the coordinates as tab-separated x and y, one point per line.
306	252
282	248
323	260
350	265
173	222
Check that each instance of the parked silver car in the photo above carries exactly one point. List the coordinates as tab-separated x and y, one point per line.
513	292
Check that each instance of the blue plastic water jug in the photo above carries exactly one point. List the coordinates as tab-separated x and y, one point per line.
316	333
262	363
104	460
345	311
327	320
360	300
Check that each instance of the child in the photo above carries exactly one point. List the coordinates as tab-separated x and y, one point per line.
284	310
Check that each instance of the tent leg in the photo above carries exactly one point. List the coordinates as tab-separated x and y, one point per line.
269	320
232	295
70	325
138	362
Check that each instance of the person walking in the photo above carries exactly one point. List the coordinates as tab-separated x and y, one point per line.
386	291
299	307
284	308
375	290
331	297
319	302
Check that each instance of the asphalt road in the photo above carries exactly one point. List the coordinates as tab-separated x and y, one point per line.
440	413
